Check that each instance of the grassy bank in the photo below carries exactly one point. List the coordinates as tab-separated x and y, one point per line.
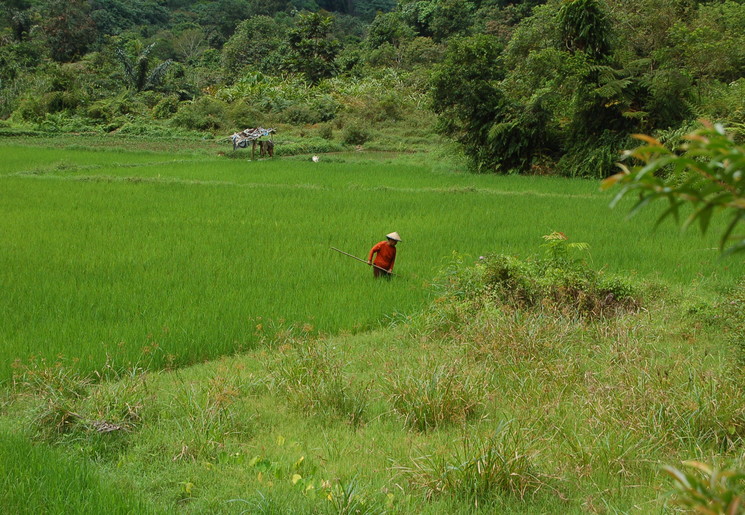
470	406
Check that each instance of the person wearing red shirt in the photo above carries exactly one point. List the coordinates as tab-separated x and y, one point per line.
385	256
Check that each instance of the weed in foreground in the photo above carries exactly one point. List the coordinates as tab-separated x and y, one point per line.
206	416
312	378
56	391
705	489
339	497
480	469
428	400
65	406
347	498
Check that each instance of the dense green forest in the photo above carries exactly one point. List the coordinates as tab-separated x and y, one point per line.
551	87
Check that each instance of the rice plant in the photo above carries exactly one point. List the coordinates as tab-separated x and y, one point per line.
39	479
124	253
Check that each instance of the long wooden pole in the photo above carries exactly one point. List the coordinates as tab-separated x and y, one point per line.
363	260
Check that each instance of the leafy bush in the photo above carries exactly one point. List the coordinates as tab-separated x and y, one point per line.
300	115
61	122
593	157
242	114
109	109
355	134
707	175
326	132
204	114
166	107
557	281
32	109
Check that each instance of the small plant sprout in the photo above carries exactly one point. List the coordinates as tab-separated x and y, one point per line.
558	247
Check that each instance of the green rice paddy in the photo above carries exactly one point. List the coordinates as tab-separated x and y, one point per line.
168	259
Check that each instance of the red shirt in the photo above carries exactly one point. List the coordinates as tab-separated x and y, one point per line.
386	255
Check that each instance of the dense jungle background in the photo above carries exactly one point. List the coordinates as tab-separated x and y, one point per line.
551	87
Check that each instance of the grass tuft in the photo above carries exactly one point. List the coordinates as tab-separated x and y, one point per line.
312	377
480	469
426	400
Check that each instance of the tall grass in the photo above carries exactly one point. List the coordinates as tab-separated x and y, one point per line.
41	480
312	377
160	261
479	468
443	395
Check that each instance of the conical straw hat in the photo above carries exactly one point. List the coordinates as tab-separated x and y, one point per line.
393	236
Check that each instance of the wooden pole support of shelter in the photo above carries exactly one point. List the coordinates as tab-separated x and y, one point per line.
241	139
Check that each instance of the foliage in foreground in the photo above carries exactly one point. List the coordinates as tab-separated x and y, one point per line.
704	489
708	172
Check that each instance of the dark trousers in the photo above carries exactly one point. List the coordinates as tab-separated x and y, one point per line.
378	272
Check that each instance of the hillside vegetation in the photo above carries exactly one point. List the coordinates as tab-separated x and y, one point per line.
530	87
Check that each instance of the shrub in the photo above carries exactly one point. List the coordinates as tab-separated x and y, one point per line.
61	122
355	134
326	132
110	109
243	115
300	115
32	109
167	107
593	157
204	114
556	281
325	106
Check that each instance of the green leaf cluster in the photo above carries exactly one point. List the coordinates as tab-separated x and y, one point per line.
706	173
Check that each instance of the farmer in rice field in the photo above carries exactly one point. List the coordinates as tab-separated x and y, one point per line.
386	256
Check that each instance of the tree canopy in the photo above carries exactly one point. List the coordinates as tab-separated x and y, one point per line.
554	86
